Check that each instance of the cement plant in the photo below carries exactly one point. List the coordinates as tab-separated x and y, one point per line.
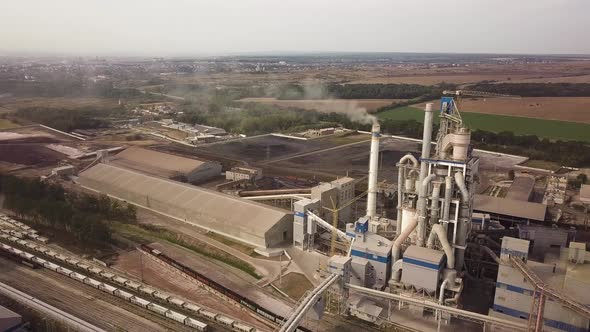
222	166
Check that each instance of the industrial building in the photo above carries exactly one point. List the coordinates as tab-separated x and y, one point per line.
243	173
521	188
567	273
10	320
516	206
509	210
545	239
249	222
335	194
166	165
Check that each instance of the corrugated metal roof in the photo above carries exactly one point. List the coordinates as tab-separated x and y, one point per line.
155	163
424	254
222	213
521	188
510	207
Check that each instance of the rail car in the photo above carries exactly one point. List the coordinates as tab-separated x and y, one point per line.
92	282
176	301
139	301
34	261
251	305
157	308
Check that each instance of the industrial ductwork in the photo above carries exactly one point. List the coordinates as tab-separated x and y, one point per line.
422	209
439	231
400	186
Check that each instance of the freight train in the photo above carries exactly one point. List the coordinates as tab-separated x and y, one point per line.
251	305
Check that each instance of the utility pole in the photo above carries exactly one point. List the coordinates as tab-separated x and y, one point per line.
281	268
141	264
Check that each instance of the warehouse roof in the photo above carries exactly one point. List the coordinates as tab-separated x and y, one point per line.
521	188
8	319
155	163
225	214
510	207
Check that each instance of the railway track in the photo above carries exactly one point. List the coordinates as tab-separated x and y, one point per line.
92	305
47	309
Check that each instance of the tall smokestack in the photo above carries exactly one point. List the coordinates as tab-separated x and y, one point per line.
373	170
426	142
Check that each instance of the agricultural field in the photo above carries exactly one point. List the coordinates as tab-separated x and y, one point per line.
6	124
326	105
551	129
574	109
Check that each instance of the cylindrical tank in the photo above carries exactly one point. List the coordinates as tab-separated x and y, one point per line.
460	142
410	184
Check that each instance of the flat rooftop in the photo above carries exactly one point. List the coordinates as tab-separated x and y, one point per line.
510	207
521	188
155	163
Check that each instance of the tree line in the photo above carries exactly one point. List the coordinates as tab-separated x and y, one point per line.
85	217
67	119
536	89
351	91
67	87
569	153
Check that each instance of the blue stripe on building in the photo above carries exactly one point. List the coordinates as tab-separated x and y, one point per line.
371	257
422	263
513	288
300	214
548	322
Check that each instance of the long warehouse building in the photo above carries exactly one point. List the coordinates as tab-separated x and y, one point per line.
166	165
246	221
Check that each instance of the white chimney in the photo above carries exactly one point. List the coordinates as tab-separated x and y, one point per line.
373	170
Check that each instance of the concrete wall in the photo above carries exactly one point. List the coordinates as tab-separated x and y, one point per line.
178	212
204	172
280	233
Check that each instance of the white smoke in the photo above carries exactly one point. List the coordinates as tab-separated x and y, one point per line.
315	90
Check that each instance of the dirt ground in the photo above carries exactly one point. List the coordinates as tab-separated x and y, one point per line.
224	276
575	109
29	154
569	71
294	284
265	147
326	105
131	262
354	160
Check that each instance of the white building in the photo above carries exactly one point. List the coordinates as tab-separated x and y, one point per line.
243	173
514	292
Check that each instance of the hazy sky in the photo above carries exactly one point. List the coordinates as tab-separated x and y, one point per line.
193	27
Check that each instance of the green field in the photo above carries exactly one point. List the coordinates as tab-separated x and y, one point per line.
496	123
5	124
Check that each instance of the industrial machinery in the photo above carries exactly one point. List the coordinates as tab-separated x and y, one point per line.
435	203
